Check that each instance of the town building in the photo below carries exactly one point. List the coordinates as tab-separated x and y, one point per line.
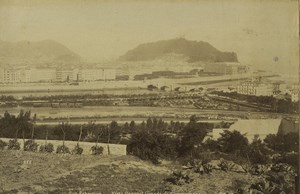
225	68
43	75
25	74
11	75
66	74
255	88
96	74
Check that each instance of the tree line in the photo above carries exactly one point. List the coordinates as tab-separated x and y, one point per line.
155	139
278	105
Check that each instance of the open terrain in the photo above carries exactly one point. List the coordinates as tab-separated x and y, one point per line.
43	173
27	172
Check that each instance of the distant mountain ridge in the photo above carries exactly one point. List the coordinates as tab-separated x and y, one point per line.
194	50
36	52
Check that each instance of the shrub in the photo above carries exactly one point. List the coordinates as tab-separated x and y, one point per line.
62	149
13	144
291	159
47	148
2	144
97	150
77	150
211	145
30	145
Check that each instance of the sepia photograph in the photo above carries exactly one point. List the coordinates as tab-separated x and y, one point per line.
149	97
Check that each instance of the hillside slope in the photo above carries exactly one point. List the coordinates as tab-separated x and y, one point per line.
36	52
193	50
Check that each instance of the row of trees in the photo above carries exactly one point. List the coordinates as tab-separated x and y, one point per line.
154	139
278	105
23	126
155	145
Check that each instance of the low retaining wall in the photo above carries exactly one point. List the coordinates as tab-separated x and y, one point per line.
115	149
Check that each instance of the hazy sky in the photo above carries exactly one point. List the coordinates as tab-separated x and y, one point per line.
257	30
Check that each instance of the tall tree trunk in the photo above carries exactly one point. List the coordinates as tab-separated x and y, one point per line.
23	134
32	132
79	135
108	140
46	137
17	131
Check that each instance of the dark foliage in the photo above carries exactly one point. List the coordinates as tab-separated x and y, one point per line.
49	148
2	144
62	149
233	142
13	144
97	150
283	143
30	145
77	150
192	136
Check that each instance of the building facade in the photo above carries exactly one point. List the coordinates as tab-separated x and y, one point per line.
255	88
225	68
26	74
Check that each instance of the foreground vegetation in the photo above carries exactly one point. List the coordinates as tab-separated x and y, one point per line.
158	141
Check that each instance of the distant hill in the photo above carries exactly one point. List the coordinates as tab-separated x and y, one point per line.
194	50
36	52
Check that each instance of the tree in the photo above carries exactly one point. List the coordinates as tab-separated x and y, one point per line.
132	126
145	144
271	141
233	142
160	124
126	127
33	121
149	124
64	127
154	123
257	151
192	136
143	125
283	142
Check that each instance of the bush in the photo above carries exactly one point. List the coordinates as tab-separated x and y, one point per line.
291	159
13	144
30	145
97	150
2	144
47	148
62	149
77	150
211	145
146	145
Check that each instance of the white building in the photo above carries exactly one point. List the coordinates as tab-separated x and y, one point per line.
43	75
97	74
11	75
226	68
66	74
109	74
255	88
